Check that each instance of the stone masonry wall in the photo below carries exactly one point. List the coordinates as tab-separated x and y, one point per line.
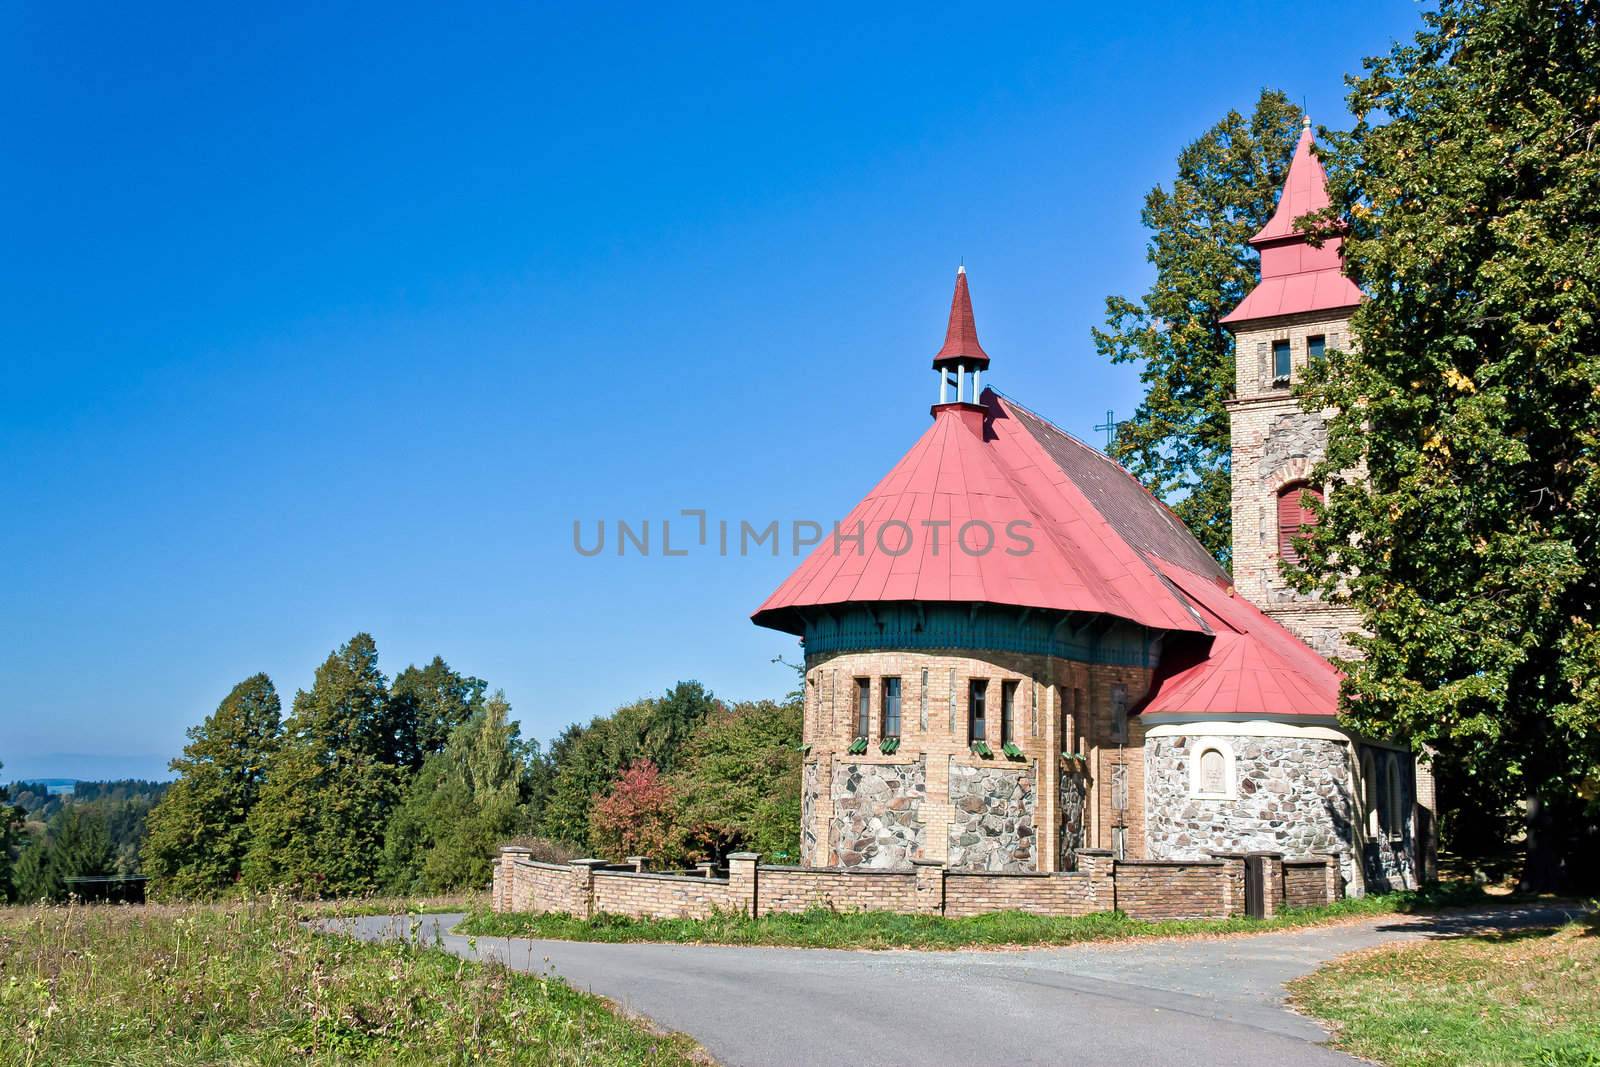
1291	796
993	828
877	811
808	806
1074	792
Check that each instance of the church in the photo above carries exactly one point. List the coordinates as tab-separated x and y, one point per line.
1014	652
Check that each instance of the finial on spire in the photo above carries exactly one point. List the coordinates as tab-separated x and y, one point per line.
961	335
1305	120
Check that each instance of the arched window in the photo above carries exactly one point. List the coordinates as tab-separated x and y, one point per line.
1395	824
1369	792
1211	774
1294	511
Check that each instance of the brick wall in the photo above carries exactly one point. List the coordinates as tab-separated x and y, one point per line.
1143	889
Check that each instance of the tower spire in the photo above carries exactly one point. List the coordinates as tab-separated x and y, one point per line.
961	335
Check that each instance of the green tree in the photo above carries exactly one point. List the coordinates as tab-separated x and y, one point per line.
425	705
76	845
1177	442
199	833
1471	183
11	820
466	800
319	819
738	783
587	760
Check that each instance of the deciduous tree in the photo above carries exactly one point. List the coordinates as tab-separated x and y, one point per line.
1471	183
636	818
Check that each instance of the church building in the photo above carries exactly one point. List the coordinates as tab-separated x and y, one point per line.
1014	652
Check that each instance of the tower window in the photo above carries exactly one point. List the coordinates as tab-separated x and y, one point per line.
977	712
1280	363
891	707
1294	514
1119	713
1008	712
863	707
1316	347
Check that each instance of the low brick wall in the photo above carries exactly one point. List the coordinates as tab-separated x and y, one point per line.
1174	889
796	889
1142	889
660	896
1305	883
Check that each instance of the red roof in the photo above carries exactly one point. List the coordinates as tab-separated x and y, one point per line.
1007	466
1295	277
961	335
1253	666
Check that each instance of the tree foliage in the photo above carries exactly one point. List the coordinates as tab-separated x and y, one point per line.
78	845
319	820
636	818
11	817
1471	183
198	833
1177	442
738	783
467	799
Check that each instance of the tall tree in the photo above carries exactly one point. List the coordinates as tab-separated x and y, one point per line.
1472	187
738	782
425	705
318	822
11	817
466	800
199	832
1177	442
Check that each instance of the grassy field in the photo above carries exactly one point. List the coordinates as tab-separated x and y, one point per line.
1522	998
884	930
246	984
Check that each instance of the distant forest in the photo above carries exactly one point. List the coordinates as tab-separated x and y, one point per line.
410	784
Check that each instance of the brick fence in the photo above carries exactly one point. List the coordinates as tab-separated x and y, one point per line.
1142	889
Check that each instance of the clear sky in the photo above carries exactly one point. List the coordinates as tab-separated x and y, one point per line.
323	322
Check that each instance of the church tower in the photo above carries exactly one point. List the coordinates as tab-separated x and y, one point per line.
1299	310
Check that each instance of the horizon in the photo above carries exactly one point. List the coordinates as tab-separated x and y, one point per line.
325	324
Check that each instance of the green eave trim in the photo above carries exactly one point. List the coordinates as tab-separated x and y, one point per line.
967	628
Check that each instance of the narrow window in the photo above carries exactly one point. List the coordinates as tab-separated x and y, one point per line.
977	697
1369	783
1008	712
863	708
1033	712
1294	513
952	692
1395	824
1316	347
1119	787
922	715
1213	772
1280	363
891	707
1119	713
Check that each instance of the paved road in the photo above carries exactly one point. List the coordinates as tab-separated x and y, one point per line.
1216	1002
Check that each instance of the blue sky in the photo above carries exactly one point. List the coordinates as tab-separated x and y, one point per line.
318	322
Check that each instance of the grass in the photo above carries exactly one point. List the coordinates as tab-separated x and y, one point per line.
245	983
1531	997
437	904
821	928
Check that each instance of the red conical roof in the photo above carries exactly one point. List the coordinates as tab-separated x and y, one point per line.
961	336
1295	277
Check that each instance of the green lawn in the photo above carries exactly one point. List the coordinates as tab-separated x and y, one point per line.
246	984
885	930
1523	998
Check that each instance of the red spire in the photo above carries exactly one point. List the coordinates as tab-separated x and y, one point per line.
961	336
1304	190
1295	277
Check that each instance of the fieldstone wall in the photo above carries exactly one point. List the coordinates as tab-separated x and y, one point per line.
877	813
992	827
1074	788
808	811
1291	796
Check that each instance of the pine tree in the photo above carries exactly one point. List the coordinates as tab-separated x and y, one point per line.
1177	442
199	832
11	818
425	705
318	823
1471	547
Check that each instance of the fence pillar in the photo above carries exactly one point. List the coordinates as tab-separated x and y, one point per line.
1232	882
1333	875
742	882
638	863
1100	868
706	868
505	876
930	886
583	886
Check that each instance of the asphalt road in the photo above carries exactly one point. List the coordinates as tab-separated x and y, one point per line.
1202	1002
